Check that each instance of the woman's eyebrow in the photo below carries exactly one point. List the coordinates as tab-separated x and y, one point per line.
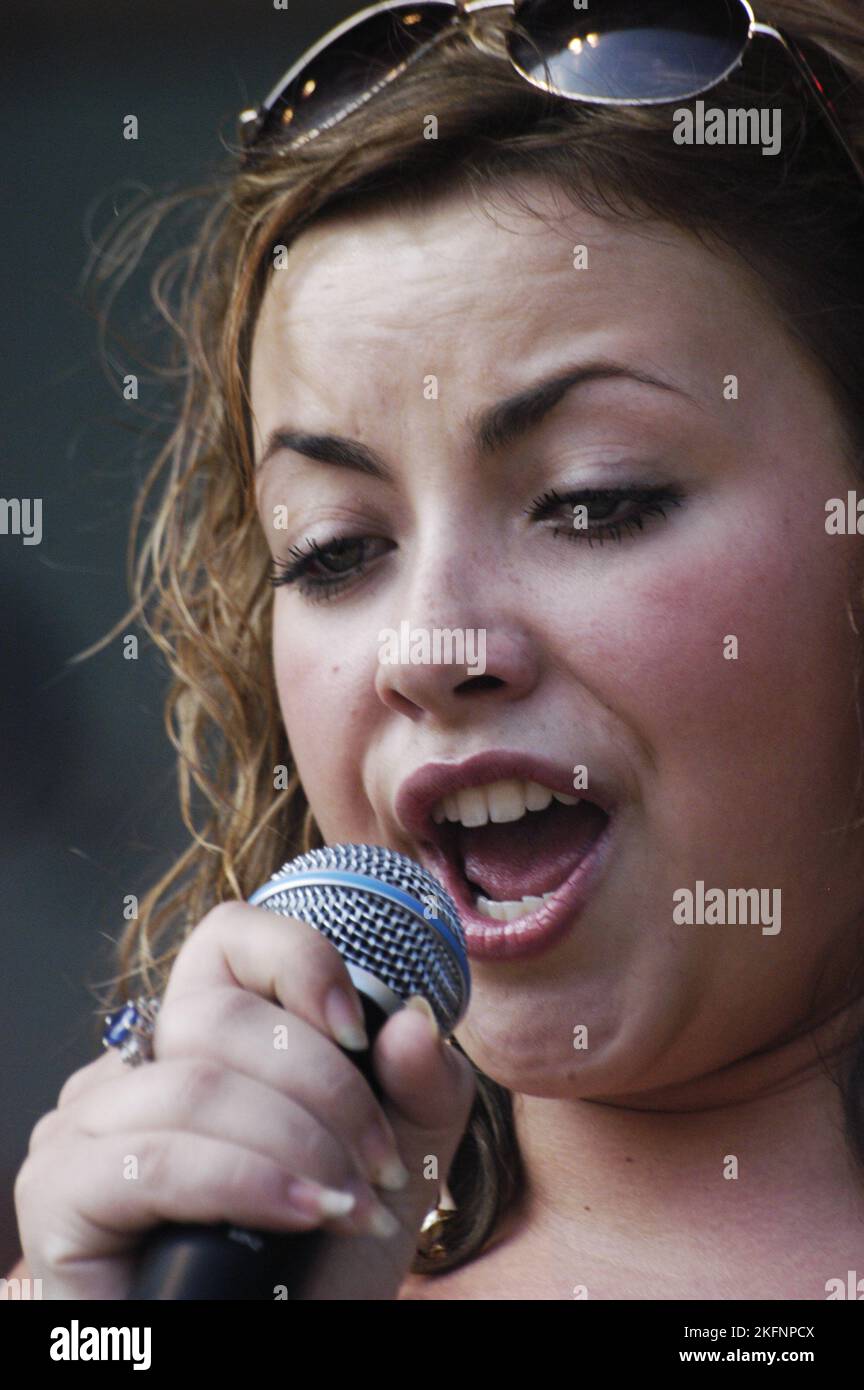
490	429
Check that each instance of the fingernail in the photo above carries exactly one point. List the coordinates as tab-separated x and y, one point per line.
312	1199
383	1164
422	1006
345	1020
393	1176
382	1222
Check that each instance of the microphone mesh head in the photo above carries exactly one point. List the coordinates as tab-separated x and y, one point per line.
398	943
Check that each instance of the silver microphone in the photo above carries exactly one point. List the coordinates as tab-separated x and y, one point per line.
392	922
398	931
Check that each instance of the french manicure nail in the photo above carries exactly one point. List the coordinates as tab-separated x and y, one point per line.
345	1021
382	1222
422	1006
384	1166
393	1176
313	1199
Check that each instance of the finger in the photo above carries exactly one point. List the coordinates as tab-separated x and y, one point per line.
263	1041
204	1097
108	1064
278	958
430	1089
113	1187
429	1085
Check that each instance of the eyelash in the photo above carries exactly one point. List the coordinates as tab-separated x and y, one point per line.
650	502
304	559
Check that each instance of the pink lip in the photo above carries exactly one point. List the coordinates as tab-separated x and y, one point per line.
487	939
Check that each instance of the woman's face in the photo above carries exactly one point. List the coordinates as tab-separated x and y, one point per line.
696	659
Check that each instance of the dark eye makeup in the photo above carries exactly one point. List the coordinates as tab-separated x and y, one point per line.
320	570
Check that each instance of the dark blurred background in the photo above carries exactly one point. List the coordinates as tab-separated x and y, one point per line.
88	808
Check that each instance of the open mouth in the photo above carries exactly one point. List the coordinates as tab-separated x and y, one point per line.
523	877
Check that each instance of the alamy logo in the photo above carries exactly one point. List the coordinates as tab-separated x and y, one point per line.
850	1287
716	126
436	646
21	1290
718	907
76	1343
845	517
22	516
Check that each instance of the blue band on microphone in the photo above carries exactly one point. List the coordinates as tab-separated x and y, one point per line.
324	877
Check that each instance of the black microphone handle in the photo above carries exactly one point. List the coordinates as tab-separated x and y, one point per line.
189	1261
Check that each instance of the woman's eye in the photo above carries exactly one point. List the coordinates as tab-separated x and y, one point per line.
323	568
603	513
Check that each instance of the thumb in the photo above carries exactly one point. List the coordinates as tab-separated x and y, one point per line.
428	1091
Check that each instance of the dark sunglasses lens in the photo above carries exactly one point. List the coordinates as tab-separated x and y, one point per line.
630	50
351	67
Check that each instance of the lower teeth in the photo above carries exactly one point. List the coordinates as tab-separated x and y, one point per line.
509	911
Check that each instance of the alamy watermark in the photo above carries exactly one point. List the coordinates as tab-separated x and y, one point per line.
722	906
22	516
435	646
845	516
715	125
852	1287
77	1343
20	1290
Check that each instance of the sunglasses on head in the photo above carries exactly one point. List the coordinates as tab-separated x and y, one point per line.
612	52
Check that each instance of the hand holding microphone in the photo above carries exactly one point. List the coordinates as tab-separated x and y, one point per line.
250	1096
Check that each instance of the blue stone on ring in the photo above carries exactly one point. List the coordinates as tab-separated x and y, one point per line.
118	1028
131	1026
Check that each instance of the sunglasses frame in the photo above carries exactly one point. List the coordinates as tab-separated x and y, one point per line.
253	121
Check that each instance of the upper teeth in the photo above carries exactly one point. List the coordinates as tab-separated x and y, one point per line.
497	801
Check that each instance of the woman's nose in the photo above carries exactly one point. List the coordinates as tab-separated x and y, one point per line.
441	653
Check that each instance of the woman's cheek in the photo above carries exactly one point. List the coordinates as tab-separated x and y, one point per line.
325	714
701	656
698	653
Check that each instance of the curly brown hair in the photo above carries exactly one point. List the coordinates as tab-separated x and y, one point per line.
199	573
